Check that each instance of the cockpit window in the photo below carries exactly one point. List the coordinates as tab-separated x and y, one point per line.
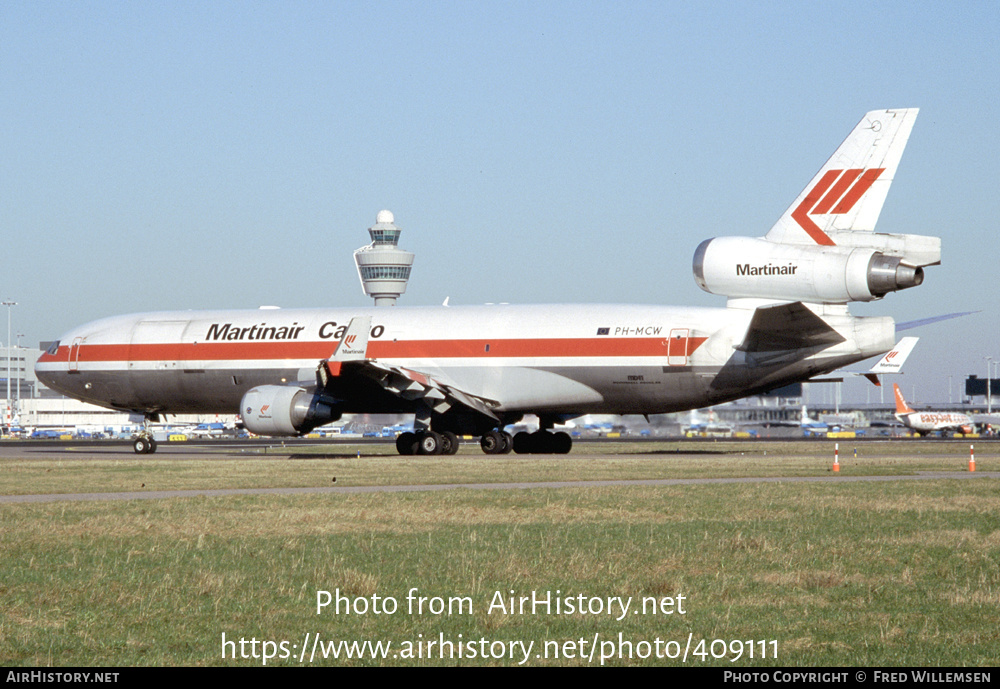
53	348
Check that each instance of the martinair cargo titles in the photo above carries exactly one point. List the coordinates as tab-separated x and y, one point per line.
476	369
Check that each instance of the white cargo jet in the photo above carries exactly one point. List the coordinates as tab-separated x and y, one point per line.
924	422
476	369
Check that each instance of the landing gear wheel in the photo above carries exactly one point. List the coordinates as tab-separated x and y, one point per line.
144	445
429	443
496	443
542	442
492	443
449	443
561	443
406	443
522	443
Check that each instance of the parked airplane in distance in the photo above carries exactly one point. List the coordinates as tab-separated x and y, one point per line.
476	369
924	422
811	426
707	425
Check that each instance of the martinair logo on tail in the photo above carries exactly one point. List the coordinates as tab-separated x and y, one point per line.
837	192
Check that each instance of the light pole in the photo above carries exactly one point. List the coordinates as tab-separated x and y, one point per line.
9	304
989	401
20	370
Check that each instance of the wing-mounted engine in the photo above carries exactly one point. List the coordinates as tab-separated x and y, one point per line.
286	409
750	267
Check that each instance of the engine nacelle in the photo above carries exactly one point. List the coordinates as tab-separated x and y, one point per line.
749	267
286	410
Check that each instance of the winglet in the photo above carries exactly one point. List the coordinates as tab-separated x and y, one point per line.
893	361
353	346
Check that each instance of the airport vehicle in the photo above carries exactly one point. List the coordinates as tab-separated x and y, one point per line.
926	422
475	369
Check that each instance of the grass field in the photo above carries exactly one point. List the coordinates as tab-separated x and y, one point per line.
836	574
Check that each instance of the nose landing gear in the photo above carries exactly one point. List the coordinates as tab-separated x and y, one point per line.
143	442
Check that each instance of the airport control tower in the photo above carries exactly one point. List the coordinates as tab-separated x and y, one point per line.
383	267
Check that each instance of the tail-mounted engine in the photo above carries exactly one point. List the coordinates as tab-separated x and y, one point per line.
749	267
286	410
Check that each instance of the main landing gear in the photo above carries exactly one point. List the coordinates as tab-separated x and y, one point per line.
427	443
542	442
495	442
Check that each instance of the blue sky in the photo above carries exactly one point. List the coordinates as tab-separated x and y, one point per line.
203	155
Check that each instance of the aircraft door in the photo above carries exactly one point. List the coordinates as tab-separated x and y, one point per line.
677	347
74	354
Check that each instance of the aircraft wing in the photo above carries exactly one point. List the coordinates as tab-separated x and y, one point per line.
787	327
350	357
413	385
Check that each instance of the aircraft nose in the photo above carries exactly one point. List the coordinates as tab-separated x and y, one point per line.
46	368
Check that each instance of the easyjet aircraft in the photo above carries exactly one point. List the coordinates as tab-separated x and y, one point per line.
476	369
924	422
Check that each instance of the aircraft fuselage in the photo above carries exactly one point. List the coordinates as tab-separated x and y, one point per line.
565	359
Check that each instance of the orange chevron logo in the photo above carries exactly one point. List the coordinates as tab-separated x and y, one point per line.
837	192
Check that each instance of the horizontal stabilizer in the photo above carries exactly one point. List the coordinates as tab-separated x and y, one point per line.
785	327
932	319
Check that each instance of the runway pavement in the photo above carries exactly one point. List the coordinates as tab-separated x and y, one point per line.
75	450
163	494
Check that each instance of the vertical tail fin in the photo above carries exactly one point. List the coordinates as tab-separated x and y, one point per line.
847	194
901	406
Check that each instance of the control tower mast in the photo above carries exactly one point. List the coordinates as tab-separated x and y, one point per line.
383	267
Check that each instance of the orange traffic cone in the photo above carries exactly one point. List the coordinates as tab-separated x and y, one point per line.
972	458
836	458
